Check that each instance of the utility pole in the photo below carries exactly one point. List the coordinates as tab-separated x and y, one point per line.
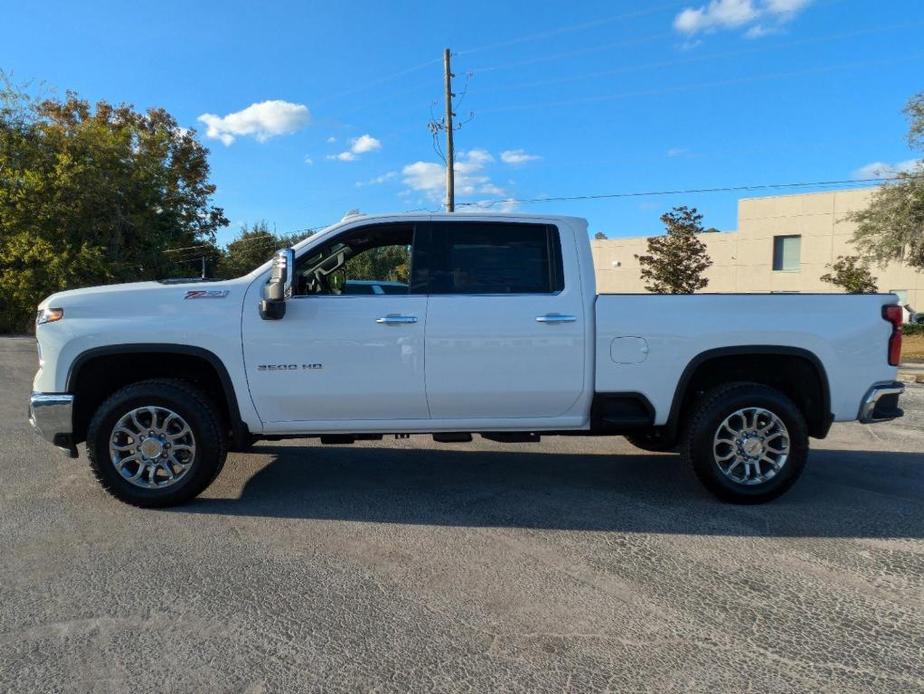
450	170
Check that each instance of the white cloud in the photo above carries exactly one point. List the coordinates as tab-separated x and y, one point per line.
425	176
762	17
262	120
473	160
782	7
331	139
378	180
358	145
717	14
491	189
309	161
430	177
759	31
517	156
364	143
881	169
677	151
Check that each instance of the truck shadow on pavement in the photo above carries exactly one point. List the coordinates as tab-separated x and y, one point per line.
842	493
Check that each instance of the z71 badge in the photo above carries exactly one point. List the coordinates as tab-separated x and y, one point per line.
206	294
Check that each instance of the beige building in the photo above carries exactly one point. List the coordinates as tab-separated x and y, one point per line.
782	244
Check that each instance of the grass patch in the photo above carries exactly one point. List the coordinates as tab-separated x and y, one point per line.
913	349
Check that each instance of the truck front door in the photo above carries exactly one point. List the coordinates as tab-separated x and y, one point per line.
350	348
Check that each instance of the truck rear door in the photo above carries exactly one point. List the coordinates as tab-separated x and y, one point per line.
505	335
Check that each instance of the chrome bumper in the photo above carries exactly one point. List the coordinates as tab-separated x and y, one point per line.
51	415
881	403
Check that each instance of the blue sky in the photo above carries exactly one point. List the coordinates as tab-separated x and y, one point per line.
569	98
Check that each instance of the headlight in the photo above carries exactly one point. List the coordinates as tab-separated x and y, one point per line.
48	315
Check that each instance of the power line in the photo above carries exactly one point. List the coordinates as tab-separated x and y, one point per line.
699	85
263	237
574	27
381	80
502	44
708	57
569	54
724	189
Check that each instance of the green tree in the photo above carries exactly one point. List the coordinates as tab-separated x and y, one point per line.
851	274
600	236
253	246
676	261
95	194
892	227
390	263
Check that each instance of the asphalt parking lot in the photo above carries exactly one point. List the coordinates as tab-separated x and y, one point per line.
574	564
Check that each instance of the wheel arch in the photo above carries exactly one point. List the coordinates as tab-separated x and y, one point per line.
98	372
797	372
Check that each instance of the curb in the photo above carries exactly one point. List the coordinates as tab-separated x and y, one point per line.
910	377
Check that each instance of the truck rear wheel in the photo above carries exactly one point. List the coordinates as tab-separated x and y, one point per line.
156	443
747	443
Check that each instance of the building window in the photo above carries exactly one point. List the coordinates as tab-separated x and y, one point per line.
786	253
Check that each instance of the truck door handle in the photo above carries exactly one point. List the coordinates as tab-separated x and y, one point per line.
555	318
396	319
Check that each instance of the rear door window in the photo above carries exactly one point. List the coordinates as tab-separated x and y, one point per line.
494	258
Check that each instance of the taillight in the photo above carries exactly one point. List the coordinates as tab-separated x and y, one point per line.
894	315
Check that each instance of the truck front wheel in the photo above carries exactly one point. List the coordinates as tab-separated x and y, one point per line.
746	442
156	443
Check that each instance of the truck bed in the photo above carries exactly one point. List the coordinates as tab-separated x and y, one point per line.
645	342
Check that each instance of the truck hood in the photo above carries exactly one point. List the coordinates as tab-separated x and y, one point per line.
142	298
81	295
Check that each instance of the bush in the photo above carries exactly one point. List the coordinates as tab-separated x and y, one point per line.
913	329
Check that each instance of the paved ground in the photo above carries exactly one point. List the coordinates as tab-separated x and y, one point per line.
416	566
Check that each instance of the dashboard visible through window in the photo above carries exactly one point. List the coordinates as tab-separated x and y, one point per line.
367	261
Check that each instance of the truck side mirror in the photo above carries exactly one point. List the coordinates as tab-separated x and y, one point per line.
278	287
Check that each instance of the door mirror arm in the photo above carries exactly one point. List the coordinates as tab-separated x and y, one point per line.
278	288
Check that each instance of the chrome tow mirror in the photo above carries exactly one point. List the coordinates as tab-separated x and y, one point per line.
278	288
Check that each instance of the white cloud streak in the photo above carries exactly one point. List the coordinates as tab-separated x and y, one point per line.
260	120
378	180
358	145
515	157
761	17
881	169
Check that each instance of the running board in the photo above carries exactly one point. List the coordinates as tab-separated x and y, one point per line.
512	436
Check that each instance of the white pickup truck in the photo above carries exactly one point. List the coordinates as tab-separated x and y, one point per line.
451	325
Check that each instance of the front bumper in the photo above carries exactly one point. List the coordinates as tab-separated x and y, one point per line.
881	403
52	416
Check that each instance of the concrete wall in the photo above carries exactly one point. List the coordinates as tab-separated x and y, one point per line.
743	259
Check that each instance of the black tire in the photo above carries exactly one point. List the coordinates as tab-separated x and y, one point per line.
185	400
709	414
651	441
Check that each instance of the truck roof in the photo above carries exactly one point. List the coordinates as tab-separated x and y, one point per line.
474	214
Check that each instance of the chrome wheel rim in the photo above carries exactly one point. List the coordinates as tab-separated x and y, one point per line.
751	446
152	447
